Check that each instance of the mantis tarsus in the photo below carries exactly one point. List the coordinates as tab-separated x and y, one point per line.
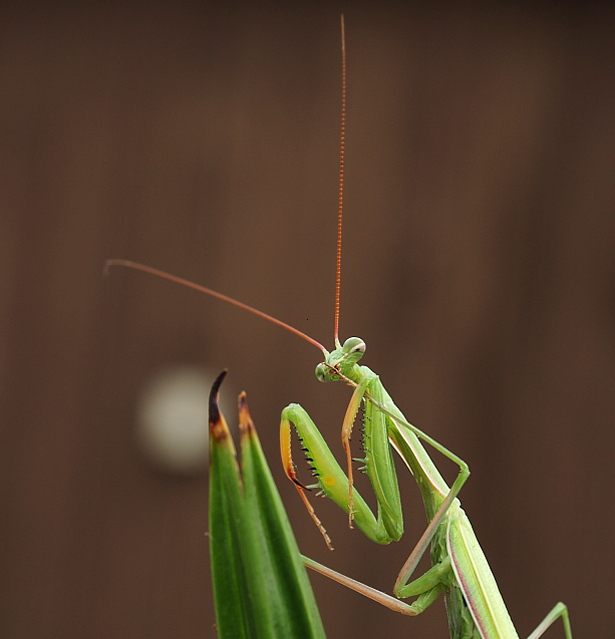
475	607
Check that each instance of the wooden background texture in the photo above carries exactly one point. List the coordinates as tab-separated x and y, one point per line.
479	267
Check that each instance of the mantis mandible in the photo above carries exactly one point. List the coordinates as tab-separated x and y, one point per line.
475	607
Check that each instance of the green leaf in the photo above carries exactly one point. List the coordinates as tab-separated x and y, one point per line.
261	588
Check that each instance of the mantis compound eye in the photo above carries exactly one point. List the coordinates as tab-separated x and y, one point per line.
353	348
321	371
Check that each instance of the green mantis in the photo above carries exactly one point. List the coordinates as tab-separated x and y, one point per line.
459	569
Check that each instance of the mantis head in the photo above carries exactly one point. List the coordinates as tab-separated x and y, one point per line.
341	361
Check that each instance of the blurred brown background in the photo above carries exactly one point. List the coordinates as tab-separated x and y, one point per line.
479	267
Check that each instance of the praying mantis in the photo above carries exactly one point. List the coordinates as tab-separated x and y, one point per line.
459	569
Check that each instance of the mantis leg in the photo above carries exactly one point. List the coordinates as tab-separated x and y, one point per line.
332	480
378	460
431	583
559	610
437	496
347	424
402	588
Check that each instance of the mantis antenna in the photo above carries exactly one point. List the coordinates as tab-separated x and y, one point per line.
212	293
340	199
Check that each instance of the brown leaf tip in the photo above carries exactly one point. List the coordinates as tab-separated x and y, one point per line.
246	425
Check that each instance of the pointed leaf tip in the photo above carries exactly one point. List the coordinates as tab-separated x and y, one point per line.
246	425
217	426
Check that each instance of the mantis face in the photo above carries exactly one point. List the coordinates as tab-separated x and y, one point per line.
341	361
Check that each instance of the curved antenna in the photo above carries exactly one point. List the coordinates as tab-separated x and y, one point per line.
208	291
340	199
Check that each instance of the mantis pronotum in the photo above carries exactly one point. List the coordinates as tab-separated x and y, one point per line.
459	569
